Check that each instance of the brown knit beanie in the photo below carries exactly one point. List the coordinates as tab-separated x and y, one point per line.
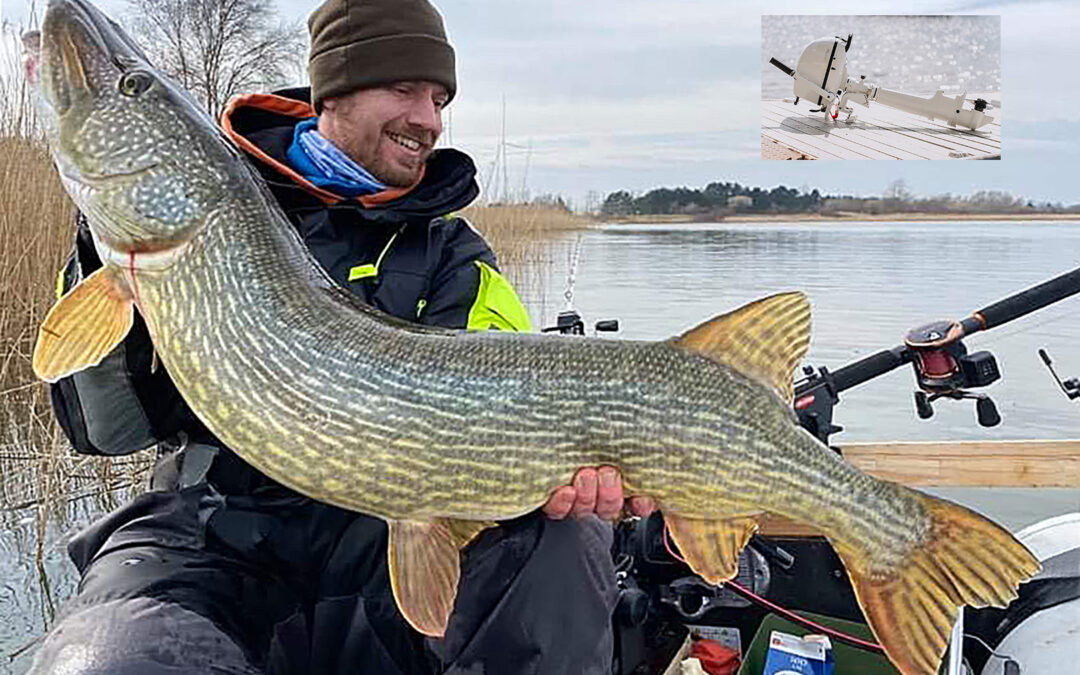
367	43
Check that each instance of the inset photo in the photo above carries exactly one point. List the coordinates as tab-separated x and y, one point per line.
881	87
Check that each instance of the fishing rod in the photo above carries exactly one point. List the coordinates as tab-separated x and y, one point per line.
943	367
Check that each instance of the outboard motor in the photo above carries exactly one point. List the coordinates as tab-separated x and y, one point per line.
821	75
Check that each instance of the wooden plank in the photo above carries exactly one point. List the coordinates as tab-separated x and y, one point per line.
987	136
897	146
878	132
804	130
939	137
930	139
982	141
971	463
795	139
990	132
806	133
809	131
801	133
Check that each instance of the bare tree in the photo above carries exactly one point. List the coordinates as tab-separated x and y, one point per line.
217	49
898	191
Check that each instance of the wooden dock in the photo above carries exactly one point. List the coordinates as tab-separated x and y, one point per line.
878	132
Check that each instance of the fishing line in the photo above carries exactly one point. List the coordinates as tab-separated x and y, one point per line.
741	590
988	648
571	273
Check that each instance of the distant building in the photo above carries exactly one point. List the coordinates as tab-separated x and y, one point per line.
740	202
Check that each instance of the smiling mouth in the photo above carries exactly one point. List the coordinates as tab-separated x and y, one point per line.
410	144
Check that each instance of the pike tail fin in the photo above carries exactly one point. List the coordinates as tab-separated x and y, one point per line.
965	560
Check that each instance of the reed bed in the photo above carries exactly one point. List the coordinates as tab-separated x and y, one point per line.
522	236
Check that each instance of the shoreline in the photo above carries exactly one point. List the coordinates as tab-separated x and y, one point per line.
840	217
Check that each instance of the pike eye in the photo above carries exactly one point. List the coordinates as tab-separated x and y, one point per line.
135	83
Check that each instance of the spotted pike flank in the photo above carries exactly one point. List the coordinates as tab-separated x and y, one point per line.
442	432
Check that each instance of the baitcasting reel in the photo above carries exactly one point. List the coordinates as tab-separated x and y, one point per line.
945	369
821	75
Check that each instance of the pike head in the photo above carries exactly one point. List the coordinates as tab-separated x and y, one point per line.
140	159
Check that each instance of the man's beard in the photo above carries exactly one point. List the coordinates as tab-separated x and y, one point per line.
394	173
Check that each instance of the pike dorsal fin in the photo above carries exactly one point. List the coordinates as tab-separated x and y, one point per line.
425	567
83	326
764	340
711	547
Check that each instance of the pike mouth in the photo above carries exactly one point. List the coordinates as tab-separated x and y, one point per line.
69	43
99	178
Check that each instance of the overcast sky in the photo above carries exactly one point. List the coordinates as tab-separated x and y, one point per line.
629	94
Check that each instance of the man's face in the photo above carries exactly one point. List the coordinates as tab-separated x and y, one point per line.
389	130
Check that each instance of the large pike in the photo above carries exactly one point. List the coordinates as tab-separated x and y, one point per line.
441	432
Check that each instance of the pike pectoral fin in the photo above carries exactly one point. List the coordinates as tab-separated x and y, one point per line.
83	326
765	339
425	567
711	547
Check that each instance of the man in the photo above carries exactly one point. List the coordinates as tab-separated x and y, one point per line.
219	568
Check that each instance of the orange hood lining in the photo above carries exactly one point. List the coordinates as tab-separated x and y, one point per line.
300	110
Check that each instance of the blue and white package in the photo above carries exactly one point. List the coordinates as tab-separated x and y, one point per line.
792	655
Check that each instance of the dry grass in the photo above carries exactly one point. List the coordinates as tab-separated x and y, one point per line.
517	231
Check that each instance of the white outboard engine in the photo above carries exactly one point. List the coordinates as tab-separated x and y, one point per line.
821	75
1042	628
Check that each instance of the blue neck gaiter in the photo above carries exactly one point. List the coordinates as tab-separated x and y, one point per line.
326	166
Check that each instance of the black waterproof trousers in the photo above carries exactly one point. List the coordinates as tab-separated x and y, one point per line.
200	580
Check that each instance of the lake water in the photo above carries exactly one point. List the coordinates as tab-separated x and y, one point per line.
868	282
914	54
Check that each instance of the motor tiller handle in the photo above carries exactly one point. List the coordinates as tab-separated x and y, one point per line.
781	66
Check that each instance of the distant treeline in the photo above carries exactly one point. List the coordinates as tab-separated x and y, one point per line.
713	200
717	200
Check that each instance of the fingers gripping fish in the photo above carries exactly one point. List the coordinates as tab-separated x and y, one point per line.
442	432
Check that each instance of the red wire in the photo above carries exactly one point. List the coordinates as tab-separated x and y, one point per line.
786	613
